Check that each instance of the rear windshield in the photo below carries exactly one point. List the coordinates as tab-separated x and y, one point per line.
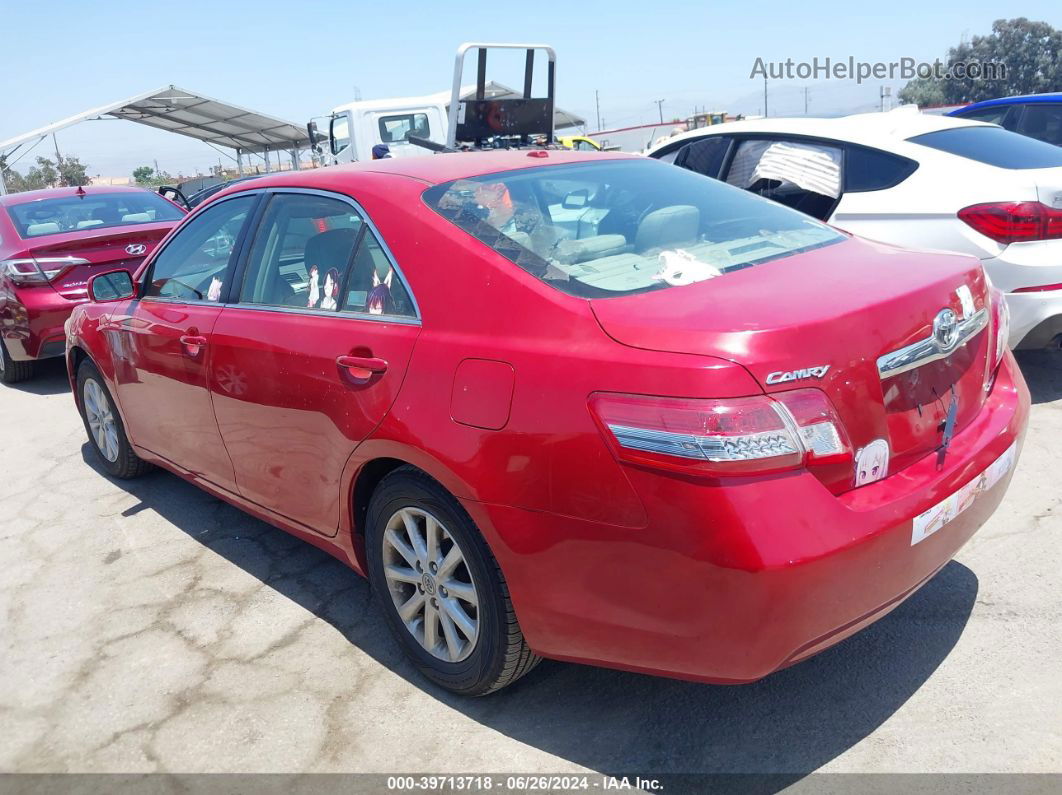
993	146
89	212
623	226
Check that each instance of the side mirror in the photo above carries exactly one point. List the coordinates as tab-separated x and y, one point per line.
314	136
576	200
111	286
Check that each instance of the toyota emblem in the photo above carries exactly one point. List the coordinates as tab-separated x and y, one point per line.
135	249
946	329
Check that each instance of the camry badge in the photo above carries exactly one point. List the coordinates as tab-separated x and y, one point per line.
781	376
135	249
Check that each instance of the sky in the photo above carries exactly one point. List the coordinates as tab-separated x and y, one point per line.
296	60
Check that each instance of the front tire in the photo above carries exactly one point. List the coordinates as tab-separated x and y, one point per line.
441	591
104	426
11	372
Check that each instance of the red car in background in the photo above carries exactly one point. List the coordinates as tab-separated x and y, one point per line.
51	241
588	407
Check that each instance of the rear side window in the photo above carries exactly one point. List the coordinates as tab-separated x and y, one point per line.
993	115
394	129
92	211
868	169
618	227
705	156
314	252
196	262
1043	121
993	146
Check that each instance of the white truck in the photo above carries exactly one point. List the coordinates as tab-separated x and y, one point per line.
483	115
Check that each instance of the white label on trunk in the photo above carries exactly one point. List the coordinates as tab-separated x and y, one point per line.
928	522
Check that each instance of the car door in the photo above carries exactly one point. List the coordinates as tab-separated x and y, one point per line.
162	344
309	354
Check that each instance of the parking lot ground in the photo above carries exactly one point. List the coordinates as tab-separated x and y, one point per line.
147	626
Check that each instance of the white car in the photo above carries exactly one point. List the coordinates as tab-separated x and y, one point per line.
915	180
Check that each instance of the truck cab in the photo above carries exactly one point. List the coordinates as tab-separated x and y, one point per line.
353	129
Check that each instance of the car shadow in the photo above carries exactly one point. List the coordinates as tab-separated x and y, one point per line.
1043	373
781	728
49	378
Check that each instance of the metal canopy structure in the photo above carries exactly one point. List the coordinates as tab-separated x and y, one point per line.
186	113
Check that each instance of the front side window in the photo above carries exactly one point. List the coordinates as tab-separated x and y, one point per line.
620	227
316	252
339	133
91	212
197	262
993	146
395	129
802	175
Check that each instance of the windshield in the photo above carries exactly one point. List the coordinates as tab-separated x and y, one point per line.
623	226
89	212
993	146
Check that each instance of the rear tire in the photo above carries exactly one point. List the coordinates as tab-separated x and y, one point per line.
103	424
478	598
11	372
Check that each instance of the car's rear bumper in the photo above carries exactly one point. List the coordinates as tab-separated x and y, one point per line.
728	583
32	323
1035	315
1035	318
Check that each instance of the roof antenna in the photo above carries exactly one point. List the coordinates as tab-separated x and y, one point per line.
80	191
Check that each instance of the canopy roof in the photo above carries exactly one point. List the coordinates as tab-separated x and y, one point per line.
187	113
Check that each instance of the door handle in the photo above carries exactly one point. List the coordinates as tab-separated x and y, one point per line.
193	344
361	368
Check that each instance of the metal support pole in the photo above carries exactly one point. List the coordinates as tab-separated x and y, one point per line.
295	159
3	187
239	161
265	154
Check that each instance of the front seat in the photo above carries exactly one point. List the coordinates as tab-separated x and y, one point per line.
668	227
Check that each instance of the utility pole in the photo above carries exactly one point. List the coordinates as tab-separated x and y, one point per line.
765	95
597	102
58	160
660	109
805	100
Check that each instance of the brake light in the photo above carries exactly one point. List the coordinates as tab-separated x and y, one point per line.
39	270
1039	288
1014	222
729	436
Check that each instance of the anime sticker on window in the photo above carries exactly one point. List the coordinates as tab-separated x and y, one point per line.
214	291
315	288
331	289
380	296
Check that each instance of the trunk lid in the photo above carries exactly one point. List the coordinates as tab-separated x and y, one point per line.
839	308
115	247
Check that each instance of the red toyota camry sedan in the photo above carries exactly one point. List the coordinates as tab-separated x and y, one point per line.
587	407
51	241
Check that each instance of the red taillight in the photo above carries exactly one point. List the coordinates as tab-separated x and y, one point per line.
38	270
1014	222
730	436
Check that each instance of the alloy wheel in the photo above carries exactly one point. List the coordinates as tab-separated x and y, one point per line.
100	419
431	584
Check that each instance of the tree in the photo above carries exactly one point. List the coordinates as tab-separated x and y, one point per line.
147	176
72	171
13	181
1030	54
42	175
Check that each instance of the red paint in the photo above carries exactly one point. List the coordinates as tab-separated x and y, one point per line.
711	577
